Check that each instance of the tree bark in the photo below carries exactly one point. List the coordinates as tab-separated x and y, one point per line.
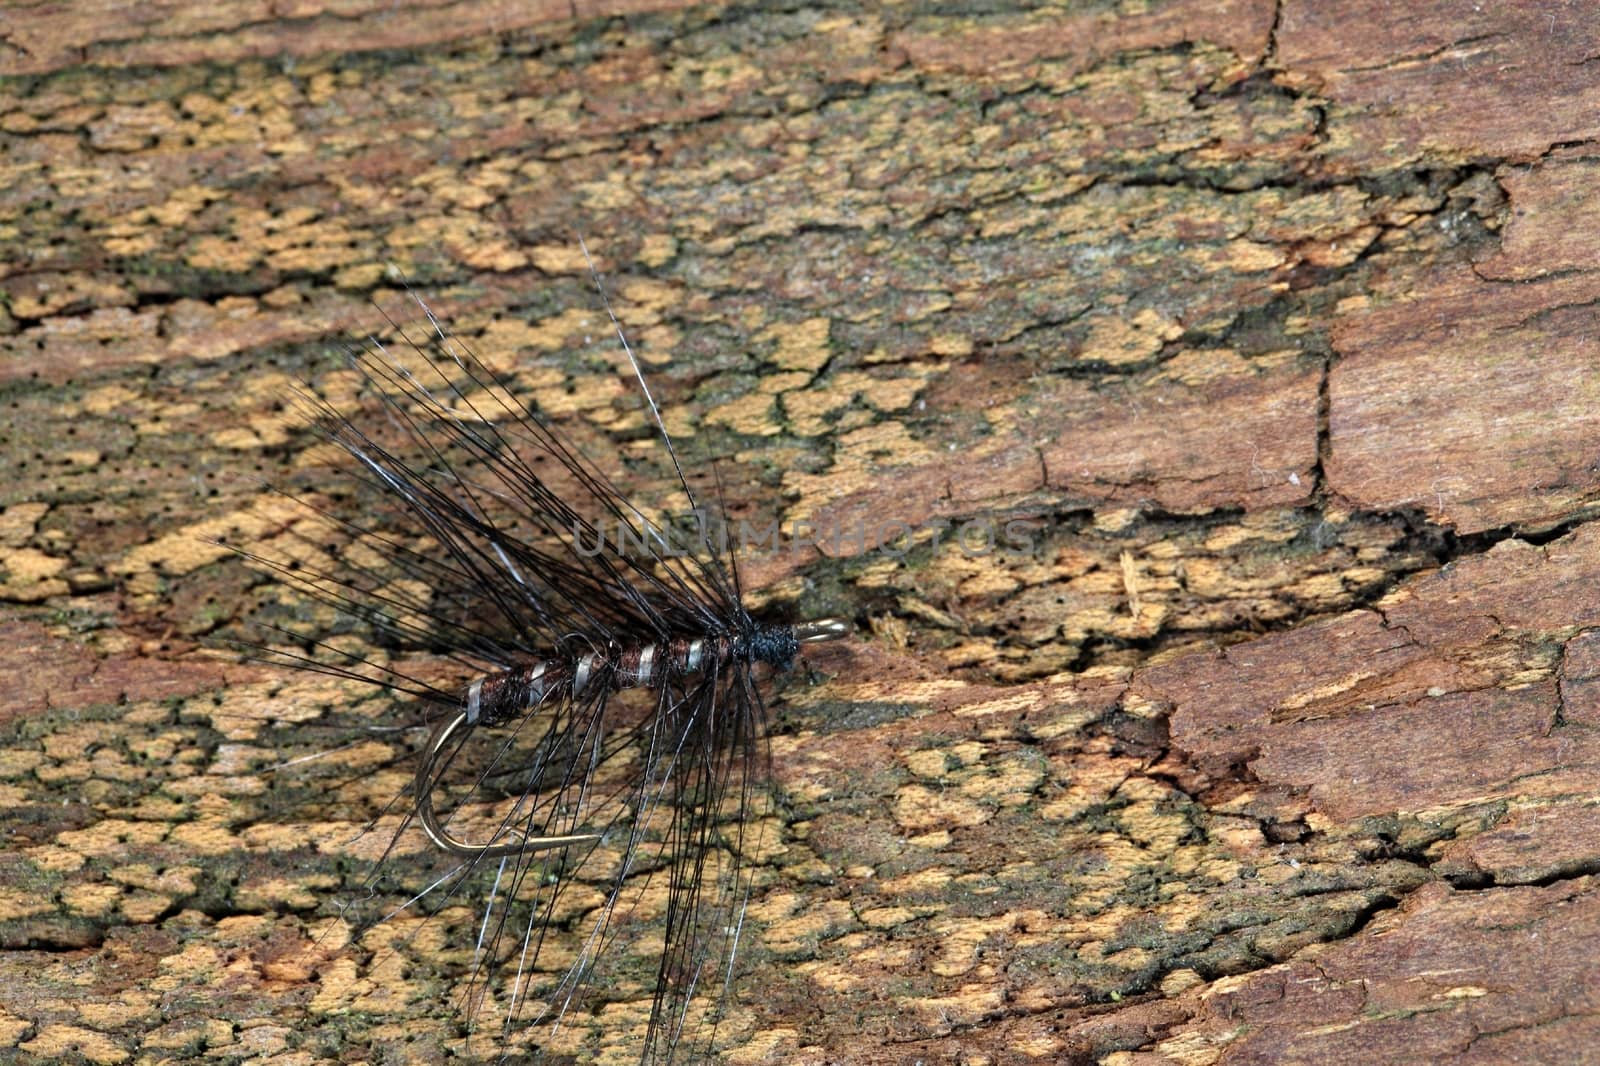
1264	733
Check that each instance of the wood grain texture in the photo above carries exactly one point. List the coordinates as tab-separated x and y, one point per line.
1274	323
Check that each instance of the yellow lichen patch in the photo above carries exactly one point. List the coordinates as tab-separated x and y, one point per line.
886	394
1132	958
165	418
807	410
16	904
1105	882
30	575
360	277
143	908
66	290
761	839
966	1006
111	837
1180	981
918	808
557	331
1252	528
258	431
812	871
469	196
754	414
239	714
1242	839
471	239
156	808
12	1028
783	383
806	927
770	1045
501	339
1462	992
1036	1045
326	246
1118	340
800	346
1004	705
197	962
88	183
176	880
559	258
92	900
1248	257
915	693
188	549
71	742
968	753
188	1038
1340	250
197	838
85	459
1197	369
1215	578
236	759
18	122
614	193
213	787
644	301
927	762
134	127
655	344
656	250
886	917
923	882
1192	861
62	1043
1010	782
160	746
205	331
1191	1048
1145	821
338	984
1130	581
835	976
488	250
53	858
960	939
222	253
910	605
1331	688
858	456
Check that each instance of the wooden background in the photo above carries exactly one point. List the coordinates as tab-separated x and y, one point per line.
1281	745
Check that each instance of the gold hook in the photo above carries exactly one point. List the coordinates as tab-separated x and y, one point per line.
437	832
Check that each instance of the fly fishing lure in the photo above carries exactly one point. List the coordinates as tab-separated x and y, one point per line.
607	711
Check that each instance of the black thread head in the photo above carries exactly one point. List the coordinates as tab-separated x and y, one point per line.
774	645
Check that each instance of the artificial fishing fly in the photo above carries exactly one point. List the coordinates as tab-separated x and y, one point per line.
537	760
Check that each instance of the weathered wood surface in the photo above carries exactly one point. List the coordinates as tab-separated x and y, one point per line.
1280	746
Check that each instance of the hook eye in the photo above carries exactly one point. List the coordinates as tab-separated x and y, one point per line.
426	780
823	629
